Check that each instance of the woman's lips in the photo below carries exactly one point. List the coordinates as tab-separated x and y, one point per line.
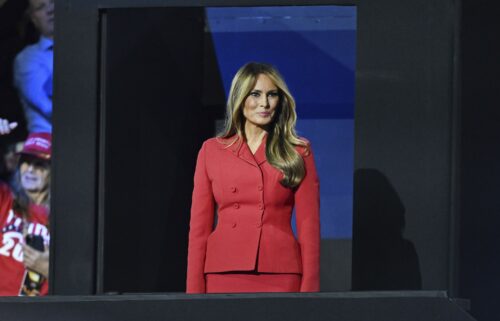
31	178
264	114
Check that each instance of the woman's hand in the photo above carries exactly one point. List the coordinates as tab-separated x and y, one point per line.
6	127
35	260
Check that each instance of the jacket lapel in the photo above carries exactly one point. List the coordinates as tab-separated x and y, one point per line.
245	154
260	154
241	150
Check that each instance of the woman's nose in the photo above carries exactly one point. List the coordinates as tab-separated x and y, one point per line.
264	101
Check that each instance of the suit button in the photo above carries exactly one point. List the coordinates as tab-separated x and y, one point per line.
260	187
261	206
259	225
233	225
233	189
236	205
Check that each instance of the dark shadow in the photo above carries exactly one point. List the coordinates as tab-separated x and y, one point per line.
155	123
382	258
16	32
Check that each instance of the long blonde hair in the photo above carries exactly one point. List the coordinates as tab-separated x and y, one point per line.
282	139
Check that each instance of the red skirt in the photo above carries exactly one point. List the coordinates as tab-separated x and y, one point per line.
252	282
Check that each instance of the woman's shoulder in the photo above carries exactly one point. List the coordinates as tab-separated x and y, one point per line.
221	143
209	142
5	191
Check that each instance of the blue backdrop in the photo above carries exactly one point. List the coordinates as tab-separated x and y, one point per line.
314	48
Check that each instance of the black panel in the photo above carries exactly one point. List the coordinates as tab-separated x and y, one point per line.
408	306
155	123
405	140
73	220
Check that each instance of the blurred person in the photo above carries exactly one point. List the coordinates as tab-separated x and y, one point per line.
256	172
8	163
15	34
24	220
33	69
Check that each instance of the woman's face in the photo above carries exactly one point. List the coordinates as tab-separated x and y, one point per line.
34	174
42	16
261	103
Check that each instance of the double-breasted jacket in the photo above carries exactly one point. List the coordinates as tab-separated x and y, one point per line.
253	225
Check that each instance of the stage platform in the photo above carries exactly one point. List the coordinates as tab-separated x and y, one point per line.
344	306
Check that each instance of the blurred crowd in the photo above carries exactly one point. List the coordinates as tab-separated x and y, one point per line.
26	68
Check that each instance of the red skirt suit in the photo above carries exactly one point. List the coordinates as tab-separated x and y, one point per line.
252	248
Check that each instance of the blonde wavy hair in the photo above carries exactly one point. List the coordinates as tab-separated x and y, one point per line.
282	139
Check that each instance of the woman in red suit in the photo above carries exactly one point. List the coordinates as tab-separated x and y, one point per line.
255	173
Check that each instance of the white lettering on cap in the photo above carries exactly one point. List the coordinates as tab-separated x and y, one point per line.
37	141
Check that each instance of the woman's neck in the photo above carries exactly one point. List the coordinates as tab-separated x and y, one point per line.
254	134
37	197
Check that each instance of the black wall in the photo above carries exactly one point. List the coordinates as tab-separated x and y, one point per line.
480	170
406	117
408	306
154	124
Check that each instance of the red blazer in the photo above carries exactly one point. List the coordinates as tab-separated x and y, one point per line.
253	231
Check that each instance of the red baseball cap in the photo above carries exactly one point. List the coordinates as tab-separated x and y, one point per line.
39	145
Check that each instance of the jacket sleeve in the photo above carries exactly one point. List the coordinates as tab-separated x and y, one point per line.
308	225
201	224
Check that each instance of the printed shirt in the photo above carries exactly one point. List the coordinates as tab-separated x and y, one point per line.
12	269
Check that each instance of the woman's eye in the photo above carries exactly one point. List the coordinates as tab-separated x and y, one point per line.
255	94
273	94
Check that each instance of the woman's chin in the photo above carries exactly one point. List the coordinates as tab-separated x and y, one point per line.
30	188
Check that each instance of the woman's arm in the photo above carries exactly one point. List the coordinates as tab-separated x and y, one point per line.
308	226
200	227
